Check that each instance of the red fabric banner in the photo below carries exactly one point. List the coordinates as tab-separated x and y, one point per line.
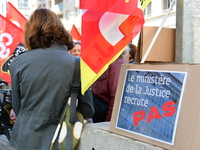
75	34
15	16
11	39
105	34
115	6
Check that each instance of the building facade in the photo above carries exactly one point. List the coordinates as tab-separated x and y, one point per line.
22	5
155	12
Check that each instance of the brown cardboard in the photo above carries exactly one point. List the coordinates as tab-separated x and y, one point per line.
163	50
187	131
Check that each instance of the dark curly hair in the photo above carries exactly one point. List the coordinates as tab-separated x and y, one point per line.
44	28
132	51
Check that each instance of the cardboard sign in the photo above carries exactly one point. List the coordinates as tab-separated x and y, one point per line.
163	50
152	105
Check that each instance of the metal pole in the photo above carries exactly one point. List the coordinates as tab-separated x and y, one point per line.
157	32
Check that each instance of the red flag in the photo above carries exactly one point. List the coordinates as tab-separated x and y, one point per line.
104	36
15	16
115	6
11	39
75	34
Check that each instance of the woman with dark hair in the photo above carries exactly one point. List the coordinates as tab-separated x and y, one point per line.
132	51
76	49
41	79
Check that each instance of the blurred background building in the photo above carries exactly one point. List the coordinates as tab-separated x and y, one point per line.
155	12
69	12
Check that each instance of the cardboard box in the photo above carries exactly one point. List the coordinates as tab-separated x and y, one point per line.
159	104
163	50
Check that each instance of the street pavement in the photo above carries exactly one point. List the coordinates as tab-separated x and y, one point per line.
4	143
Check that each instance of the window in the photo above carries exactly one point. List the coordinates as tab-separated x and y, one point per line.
147	10
23	4
166	4
49	4
40	6
77	11
58	1
68	14
2	8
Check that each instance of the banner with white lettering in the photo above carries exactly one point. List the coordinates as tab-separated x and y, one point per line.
11	45
150	103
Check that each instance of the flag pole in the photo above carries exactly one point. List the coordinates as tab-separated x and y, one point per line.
157	32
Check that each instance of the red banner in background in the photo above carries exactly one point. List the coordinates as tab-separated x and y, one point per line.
15	16
75	34
11	39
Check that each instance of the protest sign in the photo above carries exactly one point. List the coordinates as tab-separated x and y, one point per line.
153	104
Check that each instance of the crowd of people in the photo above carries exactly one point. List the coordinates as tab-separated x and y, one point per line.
41	79
104	88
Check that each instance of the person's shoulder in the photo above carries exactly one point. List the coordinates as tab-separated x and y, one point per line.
18	57
119	60
22	54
